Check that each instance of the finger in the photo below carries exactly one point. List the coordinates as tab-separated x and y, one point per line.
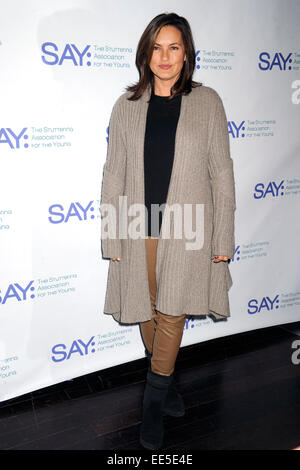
219	258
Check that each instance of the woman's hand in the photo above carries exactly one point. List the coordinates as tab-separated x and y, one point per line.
116	259
219	258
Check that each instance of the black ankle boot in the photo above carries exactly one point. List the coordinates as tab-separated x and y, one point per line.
174	405
152	429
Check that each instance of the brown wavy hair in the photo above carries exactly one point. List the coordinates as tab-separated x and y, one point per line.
144	52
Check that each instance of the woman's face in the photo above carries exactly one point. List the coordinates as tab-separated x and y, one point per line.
168	51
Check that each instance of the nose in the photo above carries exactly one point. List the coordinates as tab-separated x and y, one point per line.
165	55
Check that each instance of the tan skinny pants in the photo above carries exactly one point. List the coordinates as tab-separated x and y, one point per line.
162	334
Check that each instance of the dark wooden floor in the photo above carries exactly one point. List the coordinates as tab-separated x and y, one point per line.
241	392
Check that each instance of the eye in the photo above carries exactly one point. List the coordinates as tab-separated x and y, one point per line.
155	48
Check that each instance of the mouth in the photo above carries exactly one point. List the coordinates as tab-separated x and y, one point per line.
165	67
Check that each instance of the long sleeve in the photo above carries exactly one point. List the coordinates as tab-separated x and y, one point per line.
113	182
223	185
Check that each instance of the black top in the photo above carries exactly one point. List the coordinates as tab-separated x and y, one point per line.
161	125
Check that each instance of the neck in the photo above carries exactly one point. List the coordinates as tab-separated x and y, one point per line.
162	90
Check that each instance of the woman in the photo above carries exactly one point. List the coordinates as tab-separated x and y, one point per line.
169	146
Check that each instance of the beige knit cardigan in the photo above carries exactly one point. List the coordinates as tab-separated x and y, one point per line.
188	281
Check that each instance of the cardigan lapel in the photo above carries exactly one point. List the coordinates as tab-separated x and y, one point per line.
176	169
177	163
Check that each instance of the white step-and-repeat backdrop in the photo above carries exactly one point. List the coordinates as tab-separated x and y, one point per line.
63	65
